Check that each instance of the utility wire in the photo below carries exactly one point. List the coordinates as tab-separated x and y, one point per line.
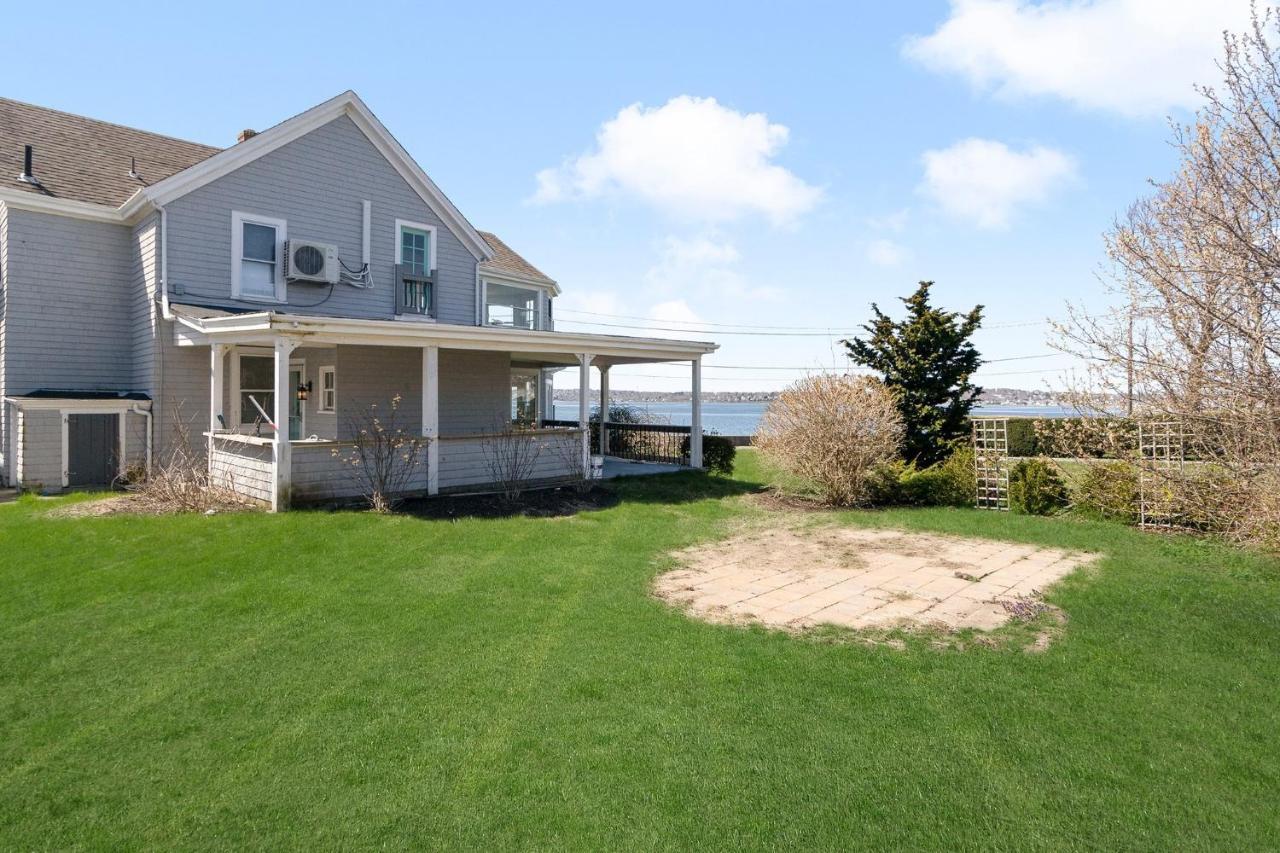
765	327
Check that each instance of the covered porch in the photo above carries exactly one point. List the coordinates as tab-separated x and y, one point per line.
290	394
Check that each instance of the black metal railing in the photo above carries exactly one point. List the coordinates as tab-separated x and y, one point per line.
644	442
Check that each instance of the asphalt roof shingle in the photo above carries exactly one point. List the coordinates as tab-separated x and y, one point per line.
84	159
506	260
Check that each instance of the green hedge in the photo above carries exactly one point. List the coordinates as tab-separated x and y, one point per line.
1060	437
718	453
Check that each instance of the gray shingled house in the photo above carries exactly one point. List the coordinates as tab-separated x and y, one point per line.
258	299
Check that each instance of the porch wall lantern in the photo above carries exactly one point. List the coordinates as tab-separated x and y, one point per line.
304	390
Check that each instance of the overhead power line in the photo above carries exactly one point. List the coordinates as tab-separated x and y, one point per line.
824	330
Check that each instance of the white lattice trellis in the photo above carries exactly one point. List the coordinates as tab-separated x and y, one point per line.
991	462
1162	446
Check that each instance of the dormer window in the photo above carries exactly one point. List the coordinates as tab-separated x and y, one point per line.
257	247
415	268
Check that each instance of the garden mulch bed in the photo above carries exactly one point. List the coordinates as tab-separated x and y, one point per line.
543	503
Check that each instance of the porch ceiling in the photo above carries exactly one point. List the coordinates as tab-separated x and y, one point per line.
549	348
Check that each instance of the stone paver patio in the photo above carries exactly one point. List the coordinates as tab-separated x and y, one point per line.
858	578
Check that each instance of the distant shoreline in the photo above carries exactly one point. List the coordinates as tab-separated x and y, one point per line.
991	397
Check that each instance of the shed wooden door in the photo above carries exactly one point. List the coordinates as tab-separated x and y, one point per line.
93	444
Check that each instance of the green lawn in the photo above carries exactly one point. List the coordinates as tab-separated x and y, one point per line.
318	680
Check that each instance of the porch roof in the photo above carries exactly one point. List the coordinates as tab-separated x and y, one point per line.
264	327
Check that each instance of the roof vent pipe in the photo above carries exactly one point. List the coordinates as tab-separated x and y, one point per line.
26	176
133	169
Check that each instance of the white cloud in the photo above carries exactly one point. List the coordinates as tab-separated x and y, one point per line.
706	266
885	253
985	181
692	158
895	222
675	311
1135	57
591	300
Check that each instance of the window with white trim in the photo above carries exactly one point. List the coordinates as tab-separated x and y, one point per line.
257	380
415	268
328	390
257	249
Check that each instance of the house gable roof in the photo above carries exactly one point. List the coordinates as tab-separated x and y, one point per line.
83	164
348	104
507	263
84	159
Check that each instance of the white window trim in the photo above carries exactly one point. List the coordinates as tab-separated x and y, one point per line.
238	219
539	302
320	405
401	224
258	352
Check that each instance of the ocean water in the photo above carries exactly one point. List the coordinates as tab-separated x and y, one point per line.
742	418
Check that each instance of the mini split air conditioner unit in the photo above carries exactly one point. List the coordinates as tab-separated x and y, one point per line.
305	260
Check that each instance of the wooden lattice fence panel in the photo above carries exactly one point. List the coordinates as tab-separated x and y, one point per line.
1162	448
991	462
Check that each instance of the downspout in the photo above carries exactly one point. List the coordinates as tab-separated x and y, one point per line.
138	410
164	264
165	314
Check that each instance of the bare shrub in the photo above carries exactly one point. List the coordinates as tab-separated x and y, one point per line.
180	481
832	431
1195	269
383	457
511	455
569	455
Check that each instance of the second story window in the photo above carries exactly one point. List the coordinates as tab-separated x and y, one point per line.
415	268
257	243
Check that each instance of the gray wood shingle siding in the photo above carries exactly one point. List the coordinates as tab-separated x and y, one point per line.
41	450
317	184
68	306
475	387
243	468
6	463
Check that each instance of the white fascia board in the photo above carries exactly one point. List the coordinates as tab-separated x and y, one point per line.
519	280
16	200
229	159
409	169
339	330
76	406
348	104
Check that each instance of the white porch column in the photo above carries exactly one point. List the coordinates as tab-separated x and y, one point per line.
548	394
604	410
217	353
584	408
431	415
695	428
282	396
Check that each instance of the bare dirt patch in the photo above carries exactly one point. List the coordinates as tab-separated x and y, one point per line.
137	504
803	577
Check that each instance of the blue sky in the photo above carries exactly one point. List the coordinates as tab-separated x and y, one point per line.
760	165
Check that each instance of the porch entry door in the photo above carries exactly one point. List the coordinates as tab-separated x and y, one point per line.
295	405
93	445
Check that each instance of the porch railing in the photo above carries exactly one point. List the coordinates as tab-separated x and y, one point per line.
643	442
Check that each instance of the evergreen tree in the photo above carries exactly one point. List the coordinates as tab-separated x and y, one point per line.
926	359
